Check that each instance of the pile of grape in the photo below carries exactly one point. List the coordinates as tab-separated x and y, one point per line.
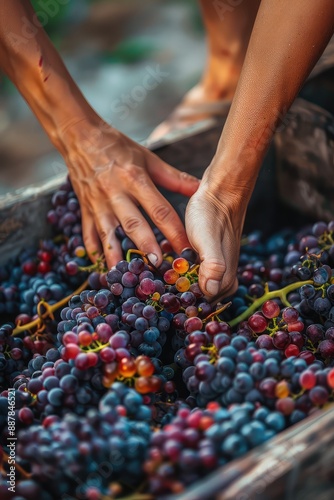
135	384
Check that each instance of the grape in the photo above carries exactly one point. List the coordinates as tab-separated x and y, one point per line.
281	339
315	333
285	406
275	421
320	276
114	276
116	289
182	284
318	395
264	342
270	309
308	292
322	306
330	293
307	356
307	379
326	349
147	286
136	266
129	279
180	265
26	416
193	324
297	339
171	276
257	323
243	382
267	387
330	378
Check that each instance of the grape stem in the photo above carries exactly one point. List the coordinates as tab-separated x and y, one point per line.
97	346
49	311
193	269
99	266
218	311
145	258
275	294
137	252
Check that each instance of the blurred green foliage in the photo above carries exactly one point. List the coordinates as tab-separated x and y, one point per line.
54	14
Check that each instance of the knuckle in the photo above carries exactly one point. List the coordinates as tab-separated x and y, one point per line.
178	238
161	213
103	234
215	266
89	246
134	174
146	245
185	177
131	224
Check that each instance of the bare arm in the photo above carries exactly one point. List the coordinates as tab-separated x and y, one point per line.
111	174
286	41
30	60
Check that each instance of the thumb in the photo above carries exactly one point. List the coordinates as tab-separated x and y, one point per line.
214	278
207	241
213	266
215	239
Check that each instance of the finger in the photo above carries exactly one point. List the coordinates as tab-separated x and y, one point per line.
90	236
137	228
208	243
217	274
106	225
162	215
171	178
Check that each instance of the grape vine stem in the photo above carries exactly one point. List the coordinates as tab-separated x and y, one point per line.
50	310
275	294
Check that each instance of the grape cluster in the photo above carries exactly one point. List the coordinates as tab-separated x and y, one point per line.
197	441
50	272
138	372
83	455
32	277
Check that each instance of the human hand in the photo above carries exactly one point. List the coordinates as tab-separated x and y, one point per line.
112	177
214	221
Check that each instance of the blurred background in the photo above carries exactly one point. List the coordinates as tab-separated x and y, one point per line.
109	47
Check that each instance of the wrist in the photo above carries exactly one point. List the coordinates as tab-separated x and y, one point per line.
231	180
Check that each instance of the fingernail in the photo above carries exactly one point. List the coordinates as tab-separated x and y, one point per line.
213	287
152	258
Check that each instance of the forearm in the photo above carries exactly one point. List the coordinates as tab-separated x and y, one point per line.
287	40
30	60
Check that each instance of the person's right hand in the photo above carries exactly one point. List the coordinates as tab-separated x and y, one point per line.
113	176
